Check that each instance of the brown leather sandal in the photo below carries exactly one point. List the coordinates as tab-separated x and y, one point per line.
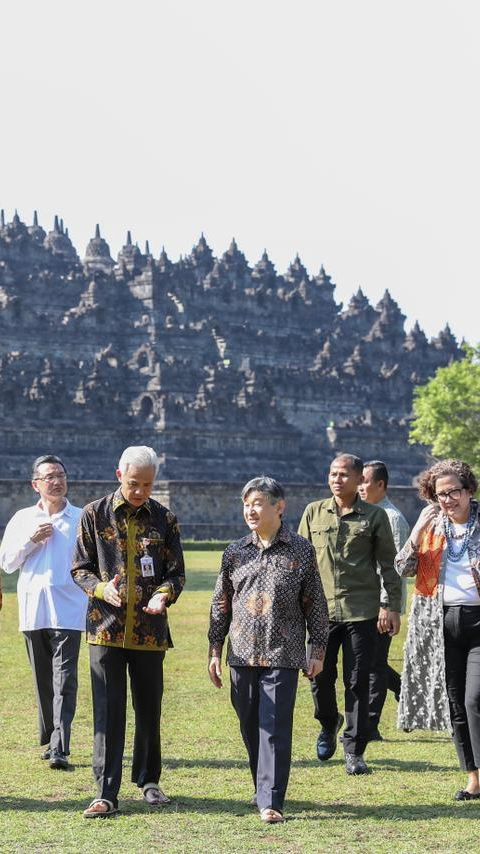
270	816
100	808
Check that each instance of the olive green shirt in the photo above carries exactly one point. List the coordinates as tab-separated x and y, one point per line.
349	548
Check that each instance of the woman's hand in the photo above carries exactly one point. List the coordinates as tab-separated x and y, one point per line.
424	521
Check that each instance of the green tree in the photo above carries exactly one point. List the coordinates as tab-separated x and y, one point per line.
447	411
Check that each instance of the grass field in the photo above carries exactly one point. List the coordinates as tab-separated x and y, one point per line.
405	805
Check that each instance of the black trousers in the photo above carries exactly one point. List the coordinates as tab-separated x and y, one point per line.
108	668
461	628
53	655
383	678
264	700
357	640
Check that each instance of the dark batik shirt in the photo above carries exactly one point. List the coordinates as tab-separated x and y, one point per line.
265	599
111	541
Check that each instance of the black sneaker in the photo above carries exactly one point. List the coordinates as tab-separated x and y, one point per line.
327	741
355	764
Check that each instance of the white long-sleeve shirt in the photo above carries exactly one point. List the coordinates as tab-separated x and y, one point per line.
48	598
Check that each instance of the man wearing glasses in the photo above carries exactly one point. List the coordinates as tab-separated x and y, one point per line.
39	542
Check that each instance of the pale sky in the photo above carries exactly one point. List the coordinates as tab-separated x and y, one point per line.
346	131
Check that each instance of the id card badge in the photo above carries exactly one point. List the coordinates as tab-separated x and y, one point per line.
146	562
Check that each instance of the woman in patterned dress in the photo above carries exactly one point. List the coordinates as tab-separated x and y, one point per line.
441	681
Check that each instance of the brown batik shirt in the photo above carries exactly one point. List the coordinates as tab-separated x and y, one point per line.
111	541
265	599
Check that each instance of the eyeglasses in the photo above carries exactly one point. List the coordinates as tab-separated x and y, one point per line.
51	478
454	494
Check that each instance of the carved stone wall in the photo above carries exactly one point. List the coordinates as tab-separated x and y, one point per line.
227	370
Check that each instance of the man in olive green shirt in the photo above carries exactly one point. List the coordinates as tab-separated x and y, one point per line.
351	538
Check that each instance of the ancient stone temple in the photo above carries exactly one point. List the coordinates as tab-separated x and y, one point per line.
228	370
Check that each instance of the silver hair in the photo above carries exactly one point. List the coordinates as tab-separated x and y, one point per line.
270	487
140	456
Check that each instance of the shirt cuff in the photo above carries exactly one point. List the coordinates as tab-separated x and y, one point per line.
165	588
316	651
100	589
215	650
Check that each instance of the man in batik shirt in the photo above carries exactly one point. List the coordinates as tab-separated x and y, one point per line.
129	561
267	594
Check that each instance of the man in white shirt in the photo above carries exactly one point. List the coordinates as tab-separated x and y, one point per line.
39	542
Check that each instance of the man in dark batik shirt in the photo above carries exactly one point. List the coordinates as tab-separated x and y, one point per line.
267	594
129	561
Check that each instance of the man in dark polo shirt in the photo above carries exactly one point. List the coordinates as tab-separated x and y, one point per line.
267	594
351	538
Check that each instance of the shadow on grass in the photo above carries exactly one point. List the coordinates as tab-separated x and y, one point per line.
408	737
239	808
130	806
204	763
383	812
374	764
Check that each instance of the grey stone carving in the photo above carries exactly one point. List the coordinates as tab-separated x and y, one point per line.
227	370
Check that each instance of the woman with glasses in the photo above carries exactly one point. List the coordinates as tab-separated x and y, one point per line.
441	681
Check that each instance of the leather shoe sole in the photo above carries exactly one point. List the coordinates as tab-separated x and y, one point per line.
59	763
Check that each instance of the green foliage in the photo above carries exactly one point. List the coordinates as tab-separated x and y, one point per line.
447	411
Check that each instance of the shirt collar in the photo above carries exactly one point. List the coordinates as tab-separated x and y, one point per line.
283	535
385	502
358	507
119	501
67	509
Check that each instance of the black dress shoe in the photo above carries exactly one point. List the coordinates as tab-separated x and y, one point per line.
463	795
355	764
59	761
327	741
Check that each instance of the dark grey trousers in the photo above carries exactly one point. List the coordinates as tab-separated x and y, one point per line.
108	668
264	700
53	655
461	625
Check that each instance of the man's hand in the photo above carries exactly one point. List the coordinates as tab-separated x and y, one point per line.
388	622
313	668
43	532
157	604
110	592
394	623
215	671
383	622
